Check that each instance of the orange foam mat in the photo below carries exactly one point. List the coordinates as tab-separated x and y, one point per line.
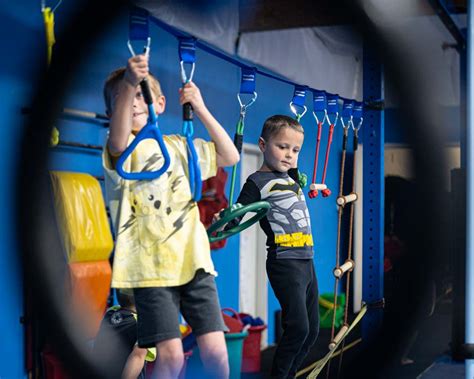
90	286
81	216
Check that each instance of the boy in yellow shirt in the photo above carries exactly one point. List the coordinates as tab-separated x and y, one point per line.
162	250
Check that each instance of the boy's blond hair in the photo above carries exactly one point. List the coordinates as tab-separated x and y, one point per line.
116	77
274	124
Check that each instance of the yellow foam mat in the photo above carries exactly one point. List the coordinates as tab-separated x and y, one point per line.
90	286
81	216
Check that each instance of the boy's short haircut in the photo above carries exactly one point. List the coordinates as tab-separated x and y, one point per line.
274	124
116	77
125	297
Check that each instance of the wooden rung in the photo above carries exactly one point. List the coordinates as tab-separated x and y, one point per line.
341	270
317	186
343	200
338	337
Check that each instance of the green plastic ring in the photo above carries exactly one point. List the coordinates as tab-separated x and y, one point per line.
260	208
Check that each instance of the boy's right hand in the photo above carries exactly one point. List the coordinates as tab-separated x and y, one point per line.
137	69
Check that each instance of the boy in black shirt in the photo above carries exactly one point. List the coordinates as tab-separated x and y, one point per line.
289	265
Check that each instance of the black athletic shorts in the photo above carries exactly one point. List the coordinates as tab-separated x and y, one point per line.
158	309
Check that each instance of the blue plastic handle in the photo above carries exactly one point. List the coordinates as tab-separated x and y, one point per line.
149	131
195	182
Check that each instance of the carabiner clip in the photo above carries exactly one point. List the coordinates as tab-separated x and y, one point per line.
295	112
146	49
335	120
243	107
359	125
325	117
349	123
184	78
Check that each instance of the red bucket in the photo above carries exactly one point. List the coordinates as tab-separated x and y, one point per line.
251	358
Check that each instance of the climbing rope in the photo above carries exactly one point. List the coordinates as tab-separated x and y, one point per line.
347	121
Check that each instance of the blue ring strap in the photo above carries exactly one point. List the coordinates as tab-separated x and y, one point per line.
333	107
187	49
347	109
320	105
358	110
138	24
319	101
247	80
299	95
358	114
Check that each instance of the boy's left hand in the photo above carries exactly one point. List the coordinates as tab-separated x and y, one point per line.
190	93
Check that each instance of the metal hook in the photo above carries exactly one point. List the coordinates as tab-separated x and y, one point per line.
293	109
146	50
243	107
183	73
349	123
359	125
325	117
335	120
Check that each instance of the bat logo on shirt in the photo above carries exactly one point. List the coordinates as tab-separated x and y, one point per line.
293	187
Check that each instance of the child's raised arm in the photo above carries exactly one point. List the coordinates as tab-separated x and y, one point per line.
227	154
123	102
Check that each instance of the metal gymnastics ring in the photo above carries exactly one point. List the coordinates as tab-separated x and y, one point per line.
260	208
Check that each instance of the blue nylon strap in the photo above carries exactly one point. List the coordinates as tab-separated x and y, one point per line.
299	95
187	49
319	101
333	107
347	108
358	110
138	24
247	80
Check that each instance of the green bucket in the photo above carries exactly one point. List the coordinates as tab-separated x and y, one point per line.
235	344
326	312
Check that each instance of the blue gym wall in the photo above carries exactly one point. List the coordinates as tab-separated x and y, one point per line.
219	82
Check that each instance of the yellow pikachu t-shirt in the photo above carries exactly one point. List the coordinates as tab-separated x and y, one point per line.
160	240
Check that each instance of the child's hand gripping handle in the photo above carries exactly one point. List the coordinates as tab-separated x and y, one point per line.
150	130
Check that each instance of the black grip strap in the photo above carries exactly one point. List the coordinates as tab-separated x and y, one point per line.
188	112
146	92
238	142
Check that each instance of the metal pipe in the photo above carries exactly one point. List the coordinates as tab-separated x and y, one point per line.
469	193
